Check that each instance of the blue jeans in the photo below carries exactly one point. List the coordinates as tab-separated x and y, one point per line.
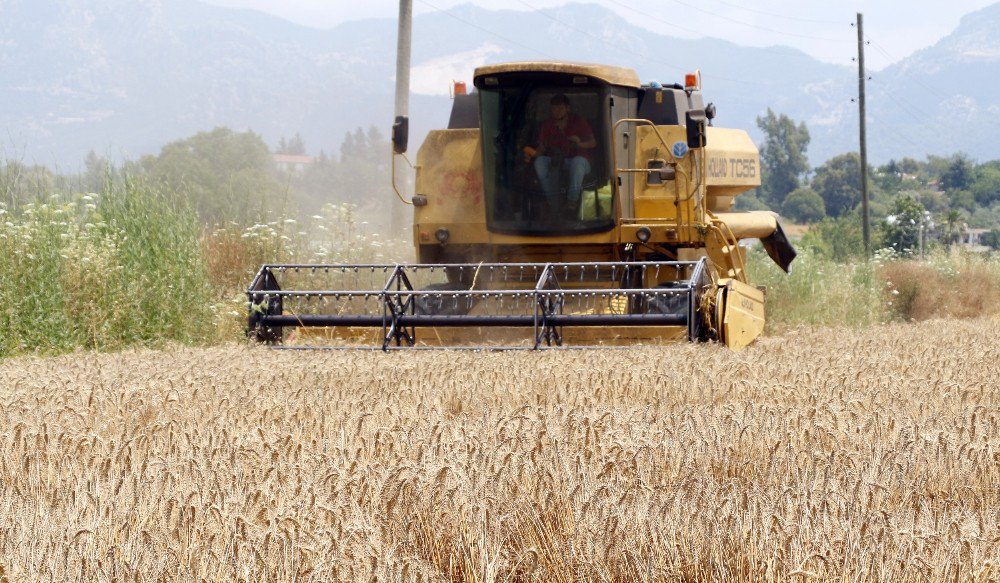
578	167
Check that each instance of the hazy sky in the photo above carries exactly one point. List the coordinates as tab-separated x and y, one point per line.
896	28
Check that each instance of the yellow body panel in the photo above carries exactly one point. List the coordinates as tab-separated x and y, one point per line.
733	166
450	175
742	313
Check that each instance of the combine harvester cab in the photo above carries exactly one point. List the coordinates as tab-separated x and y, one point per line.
566	204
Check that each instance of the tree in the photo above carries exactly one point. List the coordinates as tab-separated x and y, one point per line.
889	177
838	238
782	156
986	188
803	205
959	173
838	182
908	166
294	147
361	176
991	238
21	183
750	201
223	174
952	227
901	229
97	171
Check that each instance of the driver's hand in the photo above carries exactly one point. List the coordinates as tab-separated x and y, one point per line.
575	140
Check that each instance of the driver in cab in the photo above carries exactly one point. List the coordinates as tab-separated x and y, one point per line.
564	143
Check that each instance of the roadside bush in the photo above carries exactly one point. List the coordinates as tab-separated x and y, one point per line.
101	271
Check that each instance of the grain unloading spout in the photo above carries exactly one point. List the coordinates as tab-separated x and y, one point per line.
765	226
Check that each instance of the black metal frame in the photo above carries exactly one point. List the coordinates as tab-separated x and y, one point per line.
399	317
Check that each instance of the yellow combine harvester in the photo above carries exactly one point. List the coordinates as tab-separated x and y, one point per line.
565	204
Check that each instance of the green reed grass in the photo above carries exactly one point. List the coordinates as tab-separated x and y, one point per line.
948	283
101	271
820	291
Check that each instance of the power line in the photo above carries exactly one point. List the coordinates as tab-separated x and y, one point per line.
639	54
660	20
785	16
917	79
487	31
751	25
594	36
916	112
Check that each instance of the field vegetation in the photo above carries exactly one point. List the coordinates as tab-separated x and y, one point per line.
858	440
159	250
837	455
131	265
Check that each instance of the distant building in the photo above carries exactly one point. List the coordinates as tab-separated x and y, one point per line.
291	162
974	238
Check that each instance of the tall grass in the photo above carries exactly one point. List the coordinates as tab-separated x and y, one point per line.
132	265
950	283
233	253
820	291
101	271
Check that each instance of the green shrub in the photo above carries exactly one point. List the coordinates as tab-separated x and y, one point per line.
803	205
101	271
839	239
819	291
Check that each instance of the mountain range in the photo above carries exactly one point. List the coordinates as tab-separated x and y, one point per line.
124	77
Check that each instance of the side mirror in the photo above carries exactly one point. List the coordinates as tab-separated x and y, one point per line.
696	120
400	134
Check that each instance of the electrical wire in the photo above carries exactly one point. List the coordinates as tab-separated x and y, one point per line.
486	30
785	16
660	20
917	79
917	113
734	21
639	54
596	37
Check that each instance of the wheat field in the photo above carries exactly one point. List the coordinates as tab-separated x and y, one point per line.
839	455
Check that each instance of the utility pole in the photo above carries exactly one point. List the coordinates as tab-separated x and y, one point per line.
866	229
403	44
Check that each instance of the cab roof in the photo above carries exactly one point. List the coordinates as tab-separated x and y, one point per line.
613	75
